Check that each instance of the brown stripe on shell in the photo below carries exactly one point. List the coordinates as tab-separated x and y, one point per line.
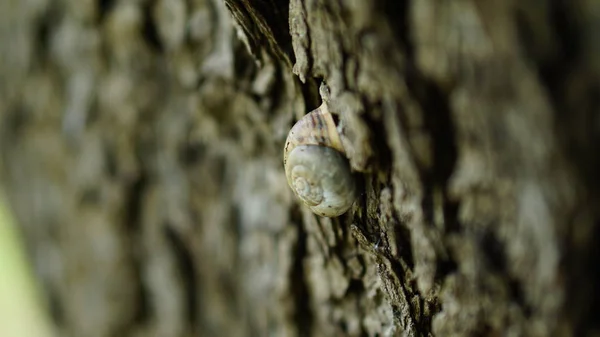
315	128
313	119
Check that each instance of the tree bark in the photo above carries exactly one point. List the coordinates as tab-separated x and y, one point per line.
141	148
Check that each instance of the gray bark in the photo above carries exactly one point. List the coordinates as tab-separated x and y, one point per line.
141	148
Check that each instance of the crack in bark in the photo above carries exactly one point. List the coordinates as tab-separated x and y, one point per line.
104	7
299	289
267	27
185	262
149	29
133	226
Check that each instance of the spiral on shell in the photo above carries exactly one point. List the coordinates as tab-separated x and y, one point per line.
316	167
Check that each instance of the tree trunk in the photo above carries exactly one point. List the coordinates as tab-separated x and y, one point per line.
142	143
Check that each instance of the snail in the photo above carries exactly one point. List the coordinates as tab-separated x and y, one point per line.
316	167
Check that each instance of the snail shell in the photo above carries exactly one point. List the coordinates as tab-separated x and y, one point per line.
316	167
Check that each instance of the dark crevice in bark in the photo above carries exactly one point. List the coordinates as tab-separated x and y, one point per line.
483	329
590	271
493	251
43	34
110	162
14	123
104	7
149	30
584	276
383	154
450	213
299	289
276	14
495	258
142	313
310	92
367	221
278	88
192	153
355	287
56	309
427	204
362	202
555	68
395	9
265	27
90	196
185	263
403	243
444	267
133	226
518	295
244	68
438	121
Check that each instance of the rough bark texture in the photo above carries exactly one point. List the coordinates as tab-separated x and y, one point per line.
141	147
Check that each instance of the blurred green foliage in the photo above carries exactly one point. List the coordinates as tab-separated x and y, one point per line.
22	313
